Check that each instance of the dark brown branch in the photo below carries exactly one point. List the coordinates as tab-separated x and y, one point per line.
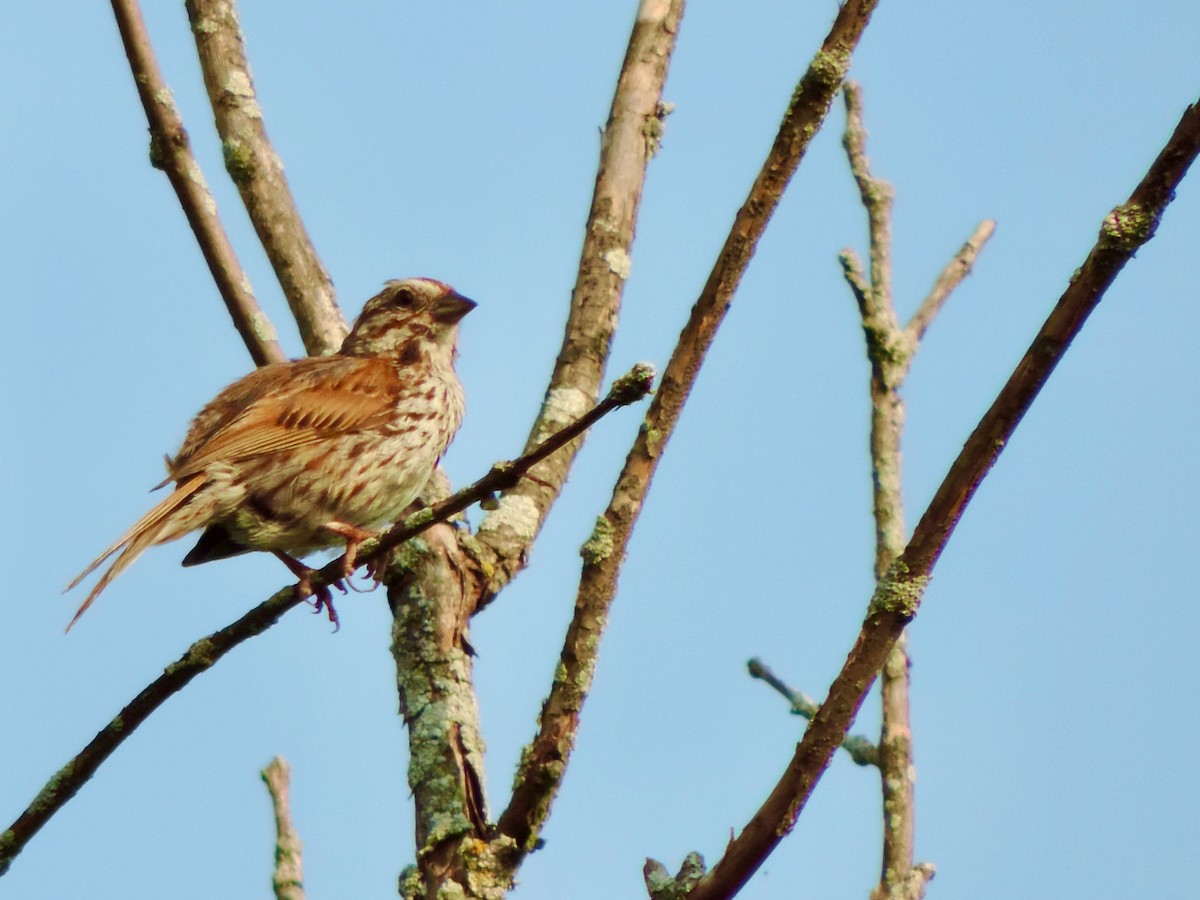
544	761
288	879
204	653
898	594
171	152
199	658
630	139
258	173
860	749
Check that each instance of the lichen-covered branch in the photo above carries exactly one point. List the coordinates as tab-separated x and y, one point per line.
171	152
288	879
544	761
630	138
433	586
898	594
437	701
258	173
890	350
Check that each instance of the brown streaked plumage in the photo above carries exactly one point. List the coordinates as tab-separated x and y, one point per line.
308	454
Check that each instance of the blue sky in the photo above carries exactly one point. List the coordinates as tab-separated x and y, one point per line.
1053	658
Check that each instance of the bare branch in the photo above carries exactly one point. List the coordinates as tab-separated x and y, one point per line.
288	880
956	270
890	352
171	152
877	196
861	750
897	773
898	594
630	139
852	271
258	173
544	761
205	653
199	657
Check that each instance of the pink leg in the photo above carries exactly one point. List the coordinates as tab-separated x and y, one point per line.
304	589
353	536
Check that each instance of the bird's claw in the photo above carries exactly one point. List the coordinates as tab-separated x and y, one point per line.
321	597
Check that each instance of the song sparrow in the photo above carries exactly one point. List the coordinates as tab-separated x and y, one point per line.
303	455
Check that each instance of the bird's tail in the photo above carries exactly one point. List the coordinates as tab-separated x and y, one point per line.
143	533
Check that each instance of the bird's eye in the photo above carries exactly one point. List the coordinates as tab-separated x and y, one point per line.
404	298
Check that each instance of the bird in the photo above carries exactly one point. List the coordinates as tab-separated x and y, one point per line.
305	455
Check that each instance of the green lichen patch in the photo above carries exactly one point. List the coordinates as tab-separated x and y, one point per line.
599	546
899	591
1127	227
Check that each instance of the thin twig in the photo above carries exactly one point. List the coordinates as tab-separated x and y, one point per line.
171	152
898	595
852	271
956	270
288	879
545	759
860	748
876	194
204	653
258	173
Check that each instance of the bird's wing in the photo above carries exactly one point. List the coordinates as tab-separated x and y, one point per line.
320	398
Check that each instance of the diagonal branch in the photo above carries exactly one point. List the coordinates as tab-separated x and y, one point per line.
171	152
199	657
205	653
258	173
630	139
860	749
951	277
898	594
543	764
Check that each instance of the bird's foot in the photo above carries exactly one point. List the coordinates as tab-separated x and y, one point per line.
320	597
353	536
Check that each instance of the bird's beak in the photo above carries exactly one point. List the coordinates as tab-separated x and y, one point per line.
452	307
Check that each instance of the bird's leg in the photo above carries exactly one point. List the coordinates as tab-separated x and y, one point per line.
354	536
304	588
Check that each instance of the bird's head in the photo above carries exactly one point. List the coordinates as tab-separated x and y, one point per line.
410	319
